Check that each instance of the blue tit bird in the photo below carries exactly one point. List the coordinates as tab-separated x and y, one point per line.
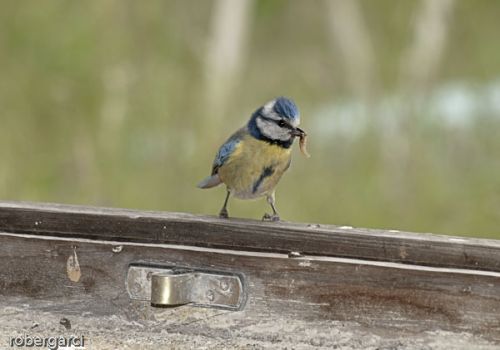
251	162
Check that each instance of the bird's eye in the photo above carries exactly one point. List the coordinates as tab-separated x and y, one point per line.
281	123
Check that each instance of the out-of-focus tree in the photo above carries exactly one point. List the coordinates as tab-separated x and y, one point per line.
419	67
350	35
421	62
225	54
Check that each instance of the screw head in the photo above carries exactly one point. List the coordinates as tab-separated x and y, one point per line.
210	295
224	285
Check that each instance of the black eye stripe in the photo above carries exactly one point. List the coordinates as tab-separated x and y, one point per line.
280	122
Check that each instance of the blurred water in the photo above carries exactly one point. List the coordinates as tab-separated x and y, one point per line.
451	105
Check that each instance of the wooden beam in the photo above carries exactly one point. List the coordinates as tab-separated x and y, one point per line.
387	297
249	235
72	260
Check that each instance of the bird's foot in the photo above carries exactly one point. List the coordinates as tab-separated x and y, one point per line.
268	217
223	214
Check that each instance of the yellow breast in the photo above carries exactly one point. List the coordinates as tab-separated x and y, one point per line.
254	168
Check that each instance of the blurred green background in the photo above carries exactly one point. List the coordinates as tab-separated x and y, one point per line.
124	103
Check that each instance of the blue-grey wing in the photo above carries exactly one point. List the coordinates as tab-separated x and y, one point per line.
225	151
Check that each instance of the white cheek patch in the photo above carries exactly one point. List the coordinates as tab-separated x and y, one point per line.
272	130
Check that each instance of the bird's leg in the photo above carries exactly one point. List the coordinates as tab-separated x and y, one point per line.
223	212
275	216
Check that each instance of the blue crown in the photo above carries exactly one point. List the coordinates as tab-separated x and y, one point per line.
286	108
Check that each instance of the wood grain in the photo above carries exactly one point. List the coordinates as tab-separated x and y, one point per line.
249	235
73	261
386	297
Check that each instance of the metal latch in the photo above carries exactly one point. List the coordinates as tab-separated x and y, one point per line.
179	286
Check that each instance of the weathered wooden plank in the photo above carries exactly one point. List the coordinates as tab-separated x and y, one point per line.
383	296
249	235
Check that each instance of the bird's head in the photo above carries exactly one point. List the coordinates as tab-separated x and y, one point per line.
277	121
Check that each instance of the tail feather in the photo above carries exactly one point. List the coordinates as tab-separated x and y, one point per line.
210	181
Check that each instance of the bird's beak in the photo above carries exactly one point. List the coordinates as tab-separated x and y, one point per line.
298	132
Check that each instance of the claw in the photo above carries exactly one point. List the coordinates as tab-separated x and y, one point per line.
223	214
268	217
